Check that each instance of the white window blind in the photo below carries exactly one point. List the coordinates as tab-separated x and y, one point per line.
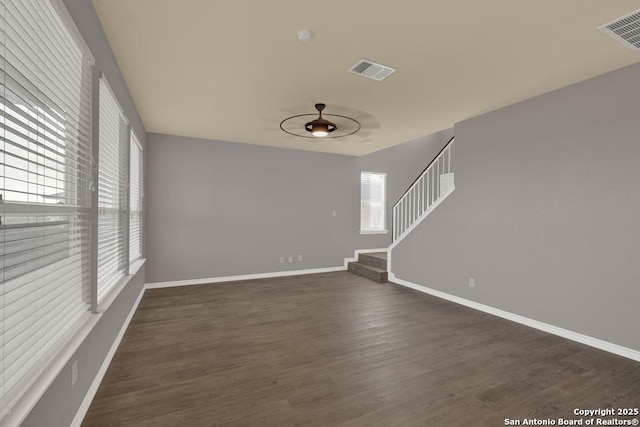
135	199
113	139
45	173
372	202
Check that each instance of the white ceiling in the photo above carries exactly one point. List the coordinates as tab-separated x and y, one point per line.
233	69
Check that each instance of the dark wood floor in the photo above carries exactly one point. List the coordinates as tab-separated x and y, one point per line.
339	350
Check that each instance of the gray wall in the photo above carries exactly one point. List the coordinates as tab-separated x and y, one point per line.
219	209
60	403
546	211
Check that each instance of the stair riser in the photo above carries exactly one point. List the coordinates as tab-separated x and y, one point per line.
380	277
373	261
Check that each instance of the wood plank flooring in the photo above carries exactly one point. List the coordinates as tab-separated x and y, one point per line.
337	349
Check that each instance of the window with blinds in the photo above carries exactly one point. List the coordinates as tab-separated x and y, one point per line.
135	199
45	189
113	137
372	202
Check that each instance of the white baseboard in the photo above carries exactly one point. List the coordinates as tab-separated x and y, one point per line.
86	402
157	285
361	251
555	330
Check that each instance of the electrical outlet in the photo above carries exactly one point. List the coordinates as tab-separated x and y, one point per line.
472	282
334	213
290	258
299	257
282	260
74	373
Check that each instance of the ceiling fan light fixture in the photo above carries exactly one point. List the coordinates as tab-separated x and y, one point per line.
320	127
319	133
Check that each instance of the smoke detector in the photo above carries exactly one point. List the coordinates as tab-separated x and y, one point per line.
305	36
372	70
625	30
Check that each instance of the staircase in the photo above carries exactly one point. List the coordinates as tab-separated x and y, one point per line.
430	189
371	265
433	185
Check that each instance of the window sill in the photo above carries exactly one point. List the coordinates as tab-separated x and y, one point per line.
374	231
113	293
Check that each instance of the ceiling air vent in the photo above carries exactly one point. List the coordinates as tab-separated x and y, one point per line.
626	30
371	70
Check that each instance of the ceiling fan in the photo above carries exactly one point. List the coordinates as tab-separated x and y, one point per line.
339	126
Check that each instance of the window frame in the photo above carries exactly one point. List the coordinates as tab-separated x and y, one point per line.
113	178
383	202
136	158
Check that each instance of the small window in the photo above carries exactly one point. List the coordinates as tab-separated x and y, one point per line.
373	200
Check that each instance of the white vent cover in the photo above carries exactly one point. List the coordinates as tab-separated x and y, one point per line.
626	30
371	70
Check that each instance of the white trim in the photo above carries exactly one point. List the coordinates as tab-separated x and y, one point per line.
113	293
221	279
136	265
374	231
362	251
136	139
93	389
555	330
10	207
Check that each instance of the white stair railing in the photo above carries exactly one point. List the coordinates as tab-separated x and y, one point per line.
431	187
